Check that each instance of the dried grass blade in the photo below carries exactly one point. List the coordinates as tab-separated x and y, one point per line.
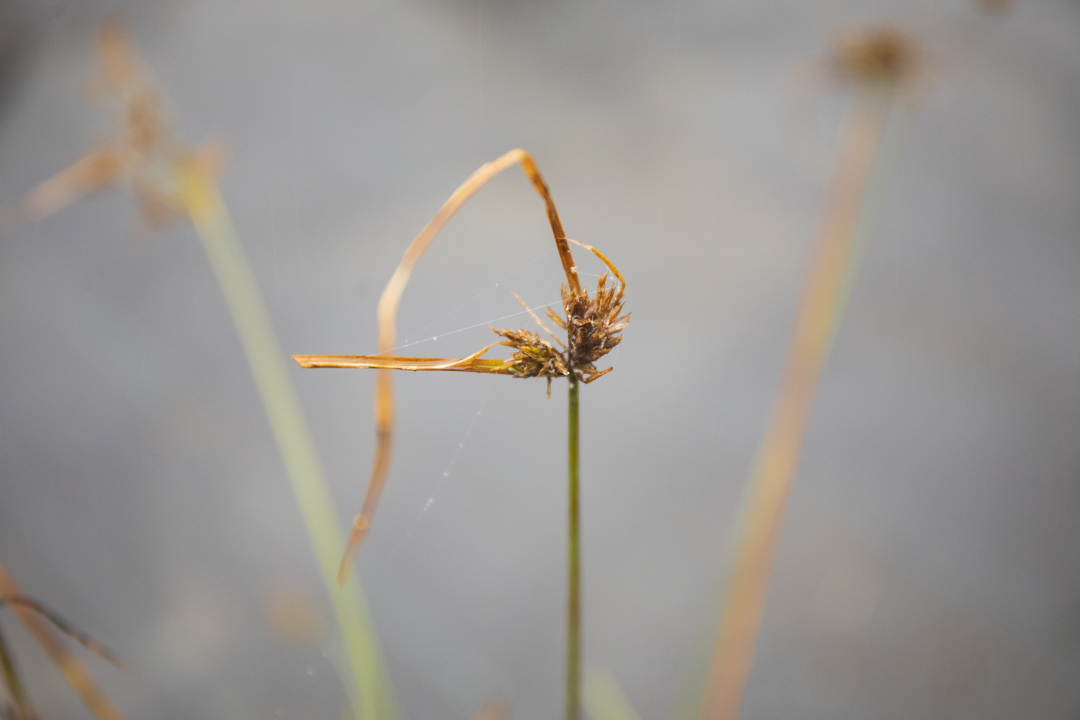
604	259
70	667
387	325
14	685
597	375
67	628
740	618
97	170
415	364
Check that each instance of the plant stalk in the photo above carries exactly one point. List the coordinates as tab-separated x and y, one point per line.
818	316
13	684
573	565
367	682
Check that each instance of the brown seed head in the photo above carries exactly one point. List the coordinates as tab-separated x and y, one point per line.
593	328
141	156
994	6
533	356
876	55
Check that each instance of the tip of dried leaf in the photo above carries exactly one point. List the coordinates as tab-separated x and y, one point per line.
356	538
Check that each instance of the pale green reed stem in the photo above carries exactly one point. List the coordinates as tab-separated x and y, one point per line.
604	699
573	566
367	680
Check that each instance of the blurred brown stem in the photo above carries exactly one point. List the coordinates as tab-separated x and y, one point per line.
13	683
818	312
70	667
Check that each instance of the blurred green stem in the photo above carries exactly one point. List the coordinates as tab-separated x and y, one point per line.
604	699
367	682
573	566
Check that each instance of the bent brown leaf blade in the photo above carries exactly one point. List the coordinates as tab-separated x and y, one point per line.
413	364
387	326
592	324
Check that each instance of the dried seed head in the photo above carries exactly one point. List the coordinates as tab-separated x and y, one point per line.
994	6
880	55
143	153
593	328
533	356
121	67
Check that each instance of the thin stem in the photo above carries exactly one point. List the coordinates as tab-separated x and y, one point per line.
12	682
573	565
368	684
817	318
54	646
65	627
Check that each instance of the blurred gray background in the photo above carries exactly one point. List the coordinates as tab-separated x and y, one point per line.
929	564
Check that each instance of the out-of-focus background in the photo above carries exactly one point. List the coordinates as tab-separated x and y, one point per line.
930	563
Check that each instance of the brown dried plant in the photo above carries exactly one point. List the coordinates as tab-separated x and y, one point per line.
878	64
592	324
140	156
171	180
875	55
38	618
994	6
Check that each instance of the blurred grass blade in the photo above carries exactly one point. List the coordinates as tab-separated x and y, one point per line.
687	701
369	686
605	699
889	152
686	704
54	646
13	685
66	627
740	619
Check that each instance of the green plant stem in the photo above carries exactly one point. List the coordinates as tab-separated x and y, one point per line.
367	683
573	565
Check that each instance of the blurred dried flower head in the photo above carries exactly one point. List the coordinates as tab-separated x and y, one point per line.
142	153
293	613
881	56
497	708
994	6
